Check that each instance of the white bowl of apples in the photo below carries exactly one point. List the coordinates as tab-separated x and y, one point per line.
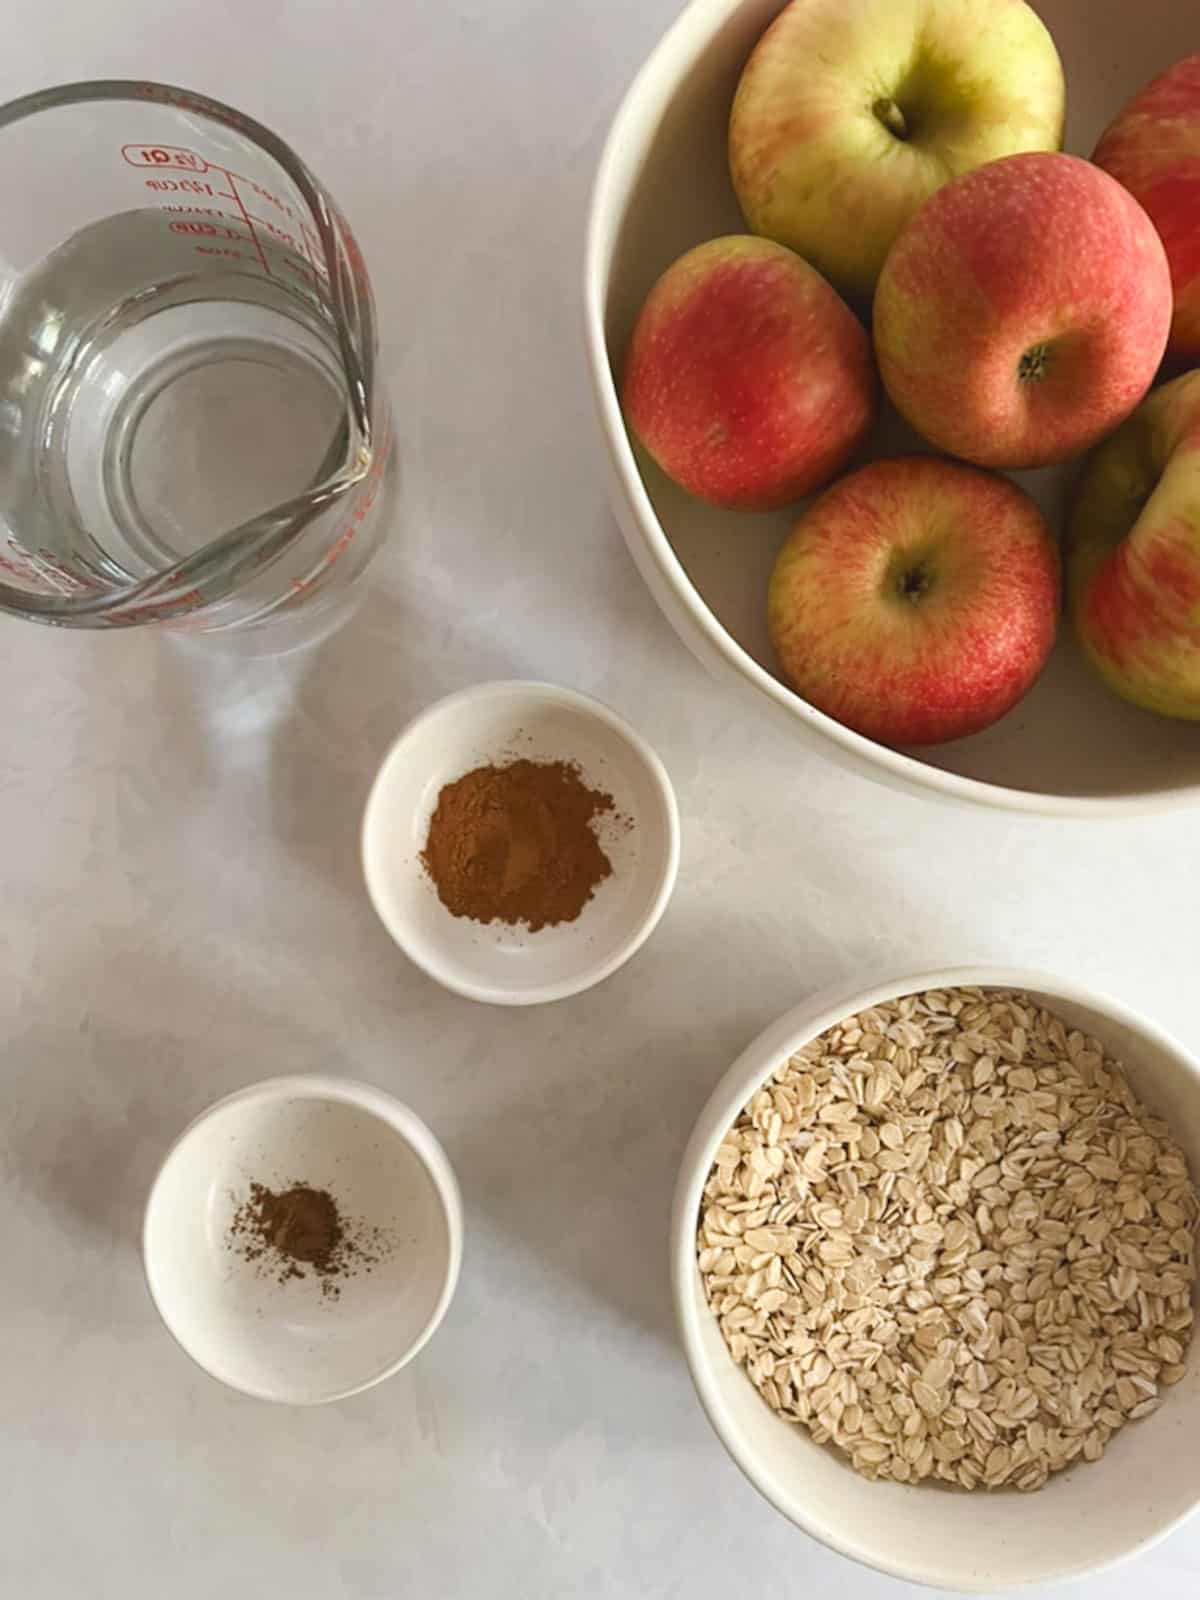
1035	318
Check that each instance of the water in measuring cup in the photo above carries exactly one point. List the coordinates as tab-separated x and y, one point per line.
155	393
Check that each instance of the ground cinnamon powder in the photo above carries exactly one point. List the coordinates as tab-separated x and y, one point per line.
287	1231
515	843
301	1223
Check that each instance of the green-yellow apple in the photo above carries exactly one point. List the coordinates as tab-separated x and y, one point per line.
748	379
1023	312
1153	148
916	600
1134	554
850	113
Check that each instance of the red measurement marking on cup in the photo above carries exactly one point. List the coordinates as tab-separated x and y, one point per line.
276	234
197	211
210	230
172	156
254	239
291	233
177	158
194	186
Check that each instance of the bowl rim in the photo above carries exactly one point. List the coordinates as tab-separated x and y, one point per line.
402	1120
740	1081
588	976
698	20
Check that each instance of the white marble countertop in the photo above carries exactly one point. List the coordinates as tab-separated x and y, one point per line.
183	914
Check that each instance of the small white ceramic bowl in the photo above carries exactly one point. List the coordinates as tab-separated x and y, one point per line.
1070	748
291	1341
492	723
1086	1518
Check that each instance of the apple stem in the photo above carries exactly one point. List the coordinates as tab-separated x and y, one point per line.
1034	364
890	114
914	583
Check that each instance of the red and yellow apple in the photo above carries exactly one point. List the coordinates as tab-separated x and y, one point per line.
748	379
850	113
1153	148
1134	554
1023	312
916	600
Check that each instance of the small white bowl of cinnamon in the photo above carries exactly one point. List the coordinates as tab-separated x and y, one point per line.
302	1239
520	842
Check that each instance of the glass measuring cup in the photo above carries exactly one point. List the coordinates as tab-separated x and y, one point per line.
192	431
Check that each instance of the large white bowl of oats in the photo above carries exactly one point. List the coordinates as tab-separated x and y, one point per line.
934	1262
